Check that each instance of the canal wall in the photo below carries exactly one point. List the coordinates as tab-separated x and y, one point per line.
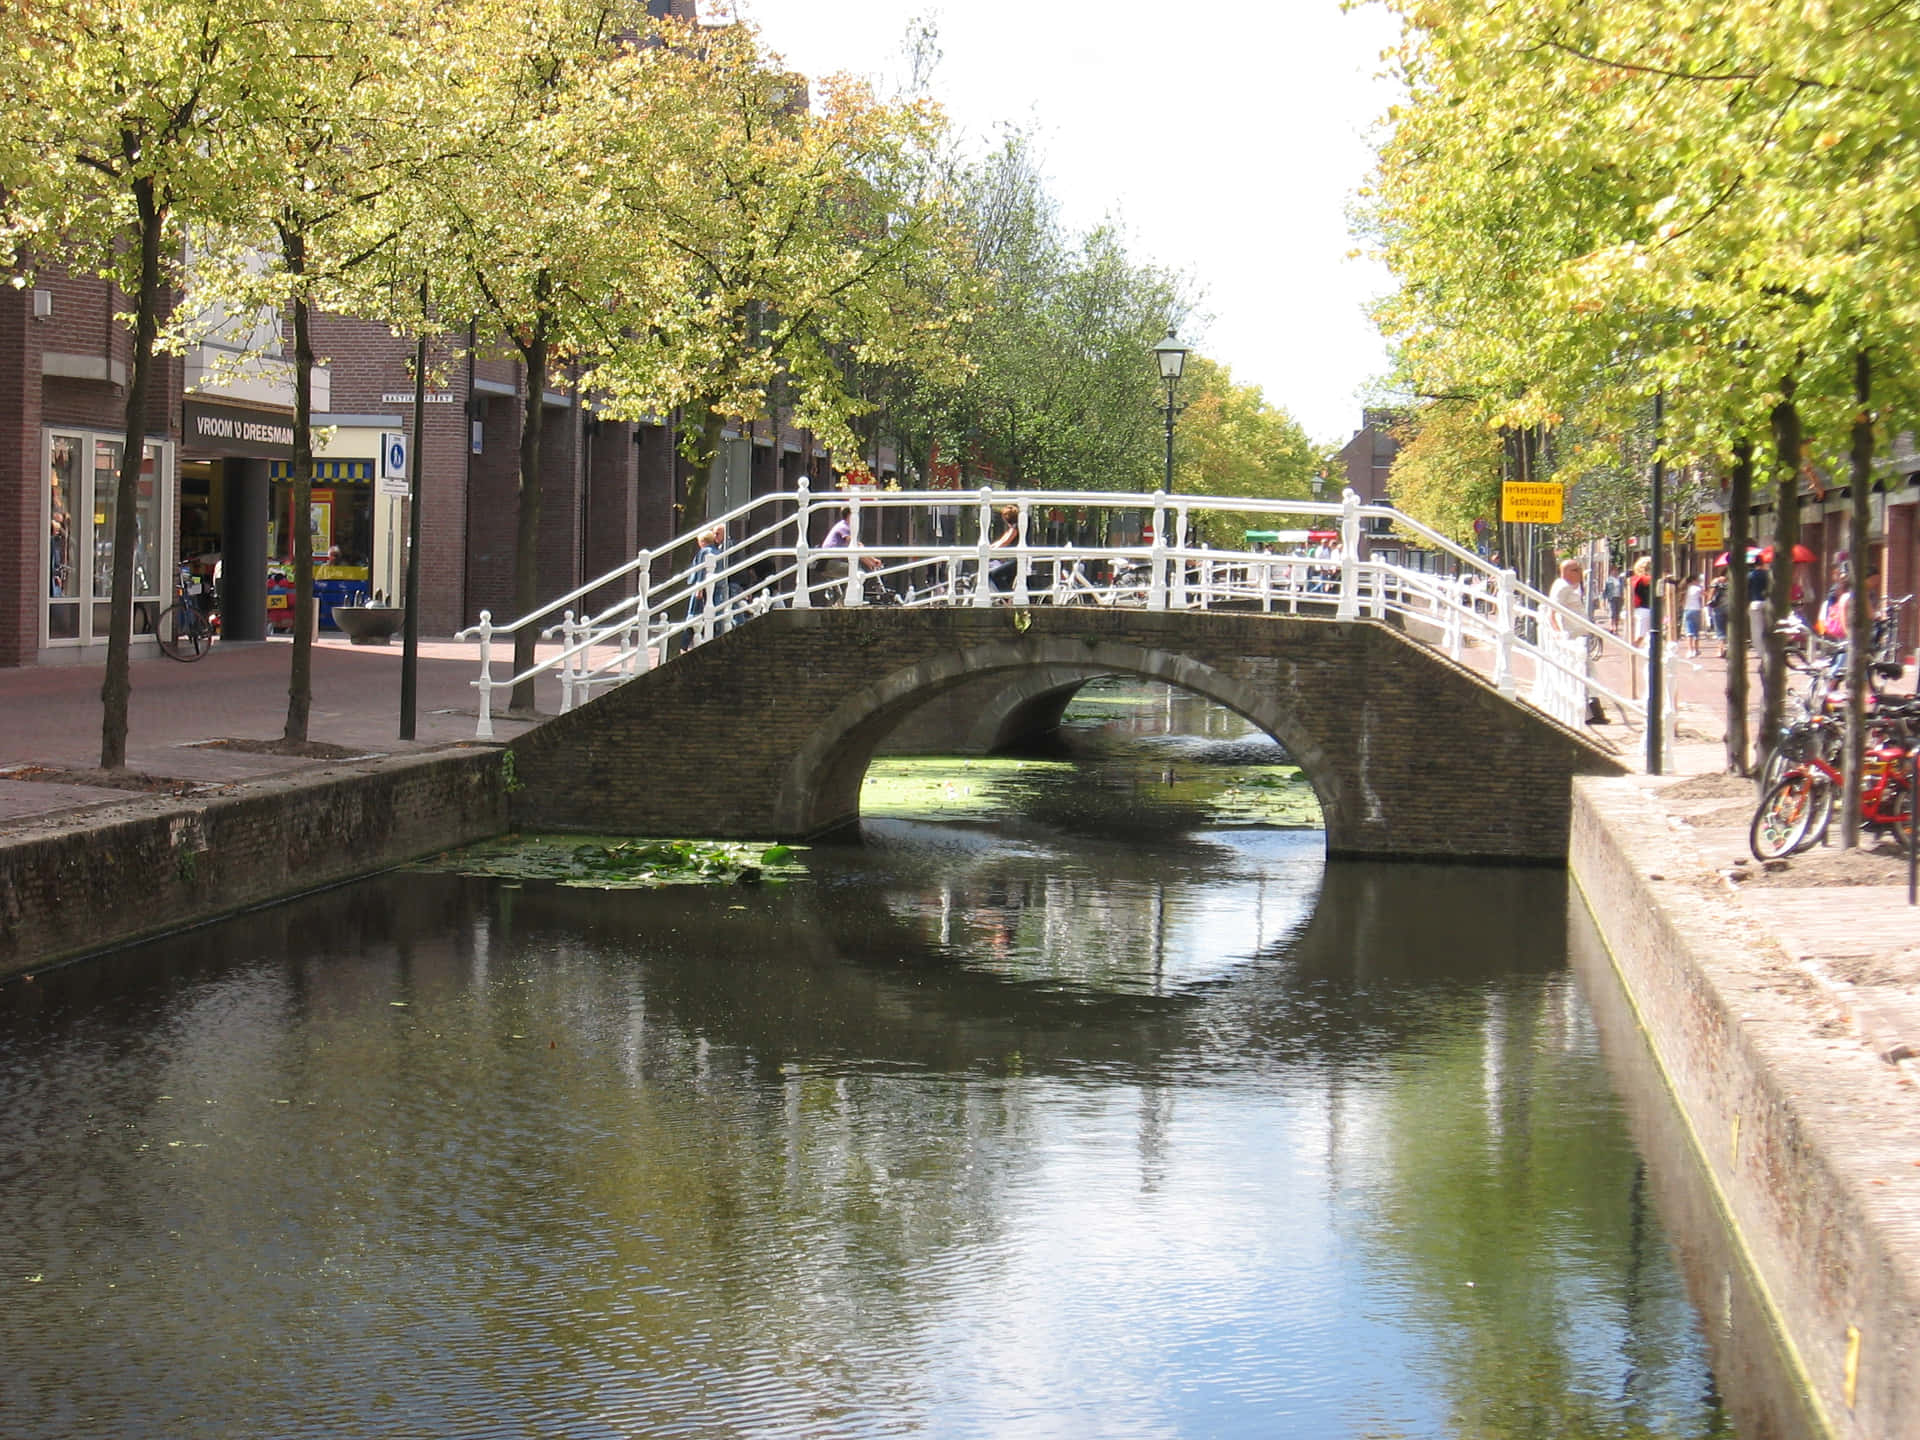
1806	1136
87	880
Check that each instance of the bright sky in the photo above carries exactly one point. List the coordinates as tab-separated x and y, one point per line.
1227	137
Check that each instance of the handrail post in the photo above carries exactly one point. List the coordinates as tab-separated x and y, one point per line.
1670	711
981	585
1023	565
643	611
1503	637
1157	585
1178	601
569	637
802	517
1266	587
484	731
855	593
1349	606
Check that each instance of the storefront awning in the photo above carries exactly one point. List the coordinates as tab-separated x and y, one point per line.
330	472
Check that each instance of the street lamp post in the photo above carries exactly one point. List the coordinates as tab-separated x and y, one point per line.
1172	356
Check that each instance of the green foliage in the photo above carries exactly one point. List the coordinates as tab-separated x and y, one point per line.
1230	441
1062	392
622	864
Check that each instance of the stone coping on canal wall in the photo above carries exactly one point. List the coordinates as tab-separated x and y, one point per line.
1808	1137
79	882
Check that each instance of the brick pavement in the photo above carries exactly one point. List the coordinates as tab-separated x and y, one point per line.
50	715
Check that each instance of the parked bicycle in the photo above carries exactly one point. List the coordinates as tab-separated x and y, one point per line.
1796	809
185	630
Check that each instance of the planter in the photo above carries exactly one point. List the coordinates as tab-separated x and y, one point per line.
369	624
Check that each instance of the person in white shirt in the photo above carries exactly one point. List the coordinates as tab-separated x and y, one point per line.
1566	591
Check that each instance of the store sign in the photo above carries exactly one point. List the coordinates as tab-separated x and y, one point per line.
1530	503
233	430
1709	531
393	464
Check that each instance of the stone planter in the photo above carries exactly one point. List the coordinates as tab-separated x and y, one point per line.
369	624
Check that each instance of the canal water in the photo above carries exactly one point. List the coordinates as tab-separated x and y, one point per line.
1084	1098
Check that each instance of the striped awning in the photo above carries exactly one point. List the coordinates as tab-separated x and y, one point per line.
331	472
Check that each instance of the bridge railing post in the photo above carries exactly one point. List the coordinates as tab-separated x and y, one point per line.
1670	697
983	548
855	593
484	630
1349	606
1503	677
802	520
569	637
1179	600
1023	566
1157	584
1266	587
1452	598
643	613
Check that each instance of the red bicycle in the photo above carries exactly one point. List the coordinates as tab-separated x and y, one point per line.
1794	813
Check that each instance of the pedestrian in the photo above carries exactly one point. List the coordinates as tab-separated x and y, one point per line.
1717	609
1693	606
840	537
1757	582
710	588
1615	595
1640	591
1566	593
1000	573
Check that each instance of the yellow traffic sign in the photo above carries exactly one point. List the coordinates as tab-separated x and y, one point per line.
1530	503
1708	533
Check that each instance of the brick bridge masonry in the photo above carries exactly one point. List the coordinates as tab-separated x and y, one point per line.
767	731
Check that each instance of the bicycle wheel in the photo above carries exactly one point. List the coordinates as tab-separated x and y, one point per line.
1896	810
1795	806
182	634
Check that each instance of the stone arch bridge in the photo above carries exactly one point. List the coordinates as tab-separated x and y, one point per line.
767	731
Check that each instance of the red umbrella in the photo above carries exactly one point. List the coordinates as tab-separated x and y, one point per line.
1801	555
1726	558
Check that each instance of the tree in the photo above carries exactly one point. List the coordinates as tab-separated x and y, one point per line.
336	122
1587	206
119	131
1230	441
784	243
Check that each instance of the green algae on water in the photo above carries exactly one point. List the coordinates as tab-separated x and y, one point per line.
600	862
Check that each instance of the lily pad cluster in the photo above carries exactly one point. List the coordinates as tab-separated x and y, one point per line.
606	863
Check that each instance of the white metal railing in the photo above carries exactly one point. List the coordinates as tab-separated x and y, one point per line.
944	552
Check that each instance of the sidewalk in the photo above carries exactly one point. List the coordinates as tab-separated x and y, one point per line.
179	714
1840	916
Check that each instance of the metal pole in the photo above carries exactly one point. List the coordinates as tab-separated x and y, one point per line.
1656	635
410	623
1170	384
1913	840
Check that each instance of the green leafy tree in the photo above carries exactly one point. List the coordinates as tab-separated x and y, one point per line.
119	131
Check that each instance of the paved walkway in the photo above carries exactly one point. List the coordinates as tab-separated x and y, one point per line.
50	718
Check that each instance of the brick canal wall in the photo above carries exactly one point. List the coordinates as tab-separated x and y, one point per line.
1806	1136
767	731
82	882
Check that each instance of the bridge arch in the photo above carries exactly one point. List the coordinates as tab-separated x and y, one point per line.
767	730
820	790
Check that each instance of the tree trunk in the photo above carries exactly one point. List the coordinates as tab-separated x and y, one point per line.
300	671
1739	520
1785	422
526	558
1859	613
116	687
700	458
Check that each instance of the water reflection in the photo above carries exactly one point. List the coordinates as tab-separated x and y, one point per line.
976	1131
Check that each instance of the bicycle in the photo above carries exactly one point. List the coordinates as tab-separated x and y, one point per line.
183	629
1798	807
